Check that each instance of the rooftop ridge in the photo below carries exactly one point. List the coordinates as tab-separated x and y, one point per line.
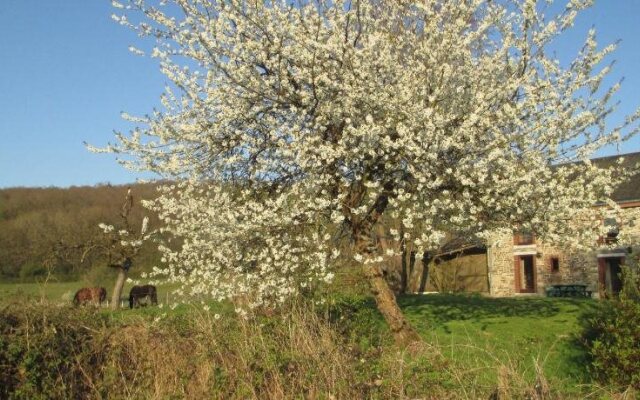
633	154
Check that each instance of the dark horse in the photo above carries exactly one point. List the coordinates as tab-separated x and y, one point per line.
95	295
147	293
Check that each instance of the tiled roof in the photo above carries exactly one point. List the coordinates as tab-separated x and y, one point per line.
629	190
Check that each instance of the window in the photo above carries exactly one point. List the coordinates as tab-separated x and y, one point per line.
554	264
612	235
523	238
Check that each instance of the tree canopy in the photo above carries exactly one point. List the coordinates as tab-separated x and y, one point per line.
291	123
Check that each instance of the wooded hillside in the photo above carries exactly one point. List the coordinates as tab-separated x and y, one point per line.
36	221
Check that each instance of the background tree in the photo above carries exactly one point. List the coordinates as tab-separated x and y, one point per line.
291	124
121	245
116	246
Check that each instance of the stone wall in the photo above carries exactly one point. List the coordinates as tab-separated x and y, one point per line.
573	268
500	260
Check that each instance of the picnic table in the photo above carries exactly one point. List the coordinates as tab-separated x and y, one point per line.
571	290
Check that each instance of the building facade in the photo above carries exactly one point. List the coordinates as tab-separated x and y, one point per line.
520	264
516	265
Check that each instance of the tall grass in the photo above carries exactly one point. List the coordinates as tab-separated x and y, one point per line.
58	352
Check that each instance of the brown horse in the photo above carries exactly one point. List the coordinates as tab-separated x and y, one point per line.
148	293
93	295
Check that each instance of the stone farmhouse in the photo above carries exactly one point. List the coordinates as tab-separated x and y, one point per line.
519	264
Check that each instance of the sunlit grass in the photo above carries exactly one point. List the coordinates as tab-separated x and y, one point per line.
479	332
63	292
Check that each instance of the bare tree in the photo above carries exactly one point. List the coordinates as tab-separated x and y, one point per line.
122	252
119	245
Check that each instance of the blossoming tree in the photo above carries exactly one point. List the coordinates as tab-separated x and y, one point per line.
288	124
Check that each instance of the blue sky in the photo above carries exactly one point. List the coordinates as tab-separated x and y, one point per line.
66	75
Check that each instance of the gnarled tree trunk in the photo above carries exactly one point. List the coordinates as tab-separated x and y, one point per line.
403	333
362	234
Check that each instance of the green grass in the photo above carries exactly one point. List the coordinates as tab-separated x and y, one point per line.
54	291
479	333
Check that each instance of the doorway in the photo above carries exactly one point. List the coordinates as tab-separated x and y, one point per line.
610	271
525	273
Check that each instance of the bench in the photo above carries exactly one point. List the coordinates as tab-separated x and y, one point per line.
571	290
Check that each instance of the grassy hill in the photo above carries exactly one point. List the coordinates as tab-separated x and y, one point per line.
33	221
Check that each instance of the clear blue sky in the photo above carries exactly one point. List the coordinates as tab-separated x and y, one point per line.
66	74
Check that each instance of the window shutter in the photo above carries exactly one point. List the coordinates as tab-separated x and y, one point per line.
516	275
602	275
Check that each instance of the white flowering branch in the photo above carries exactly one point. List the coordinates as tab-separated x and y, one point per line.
284	121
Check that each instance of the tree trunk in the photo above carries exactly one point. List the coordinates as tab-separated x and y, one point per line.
412	267
117	289
424	278
403	333
404	273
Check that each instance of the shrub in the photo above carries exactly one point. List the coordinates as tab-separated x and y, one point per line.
40	349
612	337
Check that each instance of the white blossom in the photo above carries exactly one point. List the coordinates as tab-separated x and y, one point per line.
284	127
136	51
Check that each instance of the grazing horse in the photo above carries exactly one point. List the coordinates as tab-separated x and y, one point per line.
148	293
93	295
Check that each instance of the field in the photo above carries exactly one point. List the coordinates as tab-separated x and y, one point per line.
62	292
480	336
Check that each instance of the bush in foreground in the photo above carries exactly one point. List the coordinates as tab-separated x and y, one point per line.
612	336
